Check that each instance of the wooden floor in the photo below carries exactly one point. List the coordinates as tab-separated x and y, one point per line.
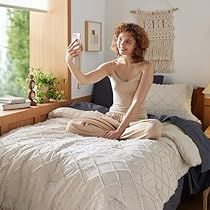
191	203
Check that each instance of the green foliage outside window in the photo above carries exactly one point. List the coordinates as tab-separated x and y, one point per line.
2	84
18	52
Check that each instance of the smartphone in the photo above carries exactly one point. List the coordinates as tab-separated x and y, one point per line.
76	36
77	60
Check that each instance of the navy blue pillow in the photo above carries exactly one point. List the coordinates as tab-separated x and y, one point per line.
102	91
158	79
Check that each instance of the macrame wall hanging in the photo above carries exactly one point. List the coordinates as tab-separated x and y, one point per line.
159	26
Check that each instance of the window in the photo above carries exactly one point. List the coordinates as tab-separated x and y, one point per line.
14	51
14	44
33	5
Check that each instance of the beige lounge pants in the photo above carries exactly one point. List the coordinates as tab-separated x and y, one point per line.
99	126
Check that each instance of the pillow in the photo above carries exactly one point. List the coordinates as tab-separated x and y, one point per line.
71	113
172	100
158	79
102	91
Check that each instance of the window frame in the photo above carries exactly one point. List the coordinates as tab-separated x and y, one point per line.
36	5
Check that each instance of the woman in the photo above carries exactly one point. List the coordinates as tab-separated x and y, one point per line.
131	78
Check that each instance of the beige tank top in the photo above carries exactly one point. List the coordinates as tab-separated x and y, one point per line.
123	93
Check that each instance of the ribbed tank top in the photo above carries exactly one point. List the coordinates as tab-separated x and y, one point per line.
123	93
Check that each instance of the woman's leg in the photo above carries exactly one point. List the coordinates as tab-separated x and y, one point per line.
143	129
94	126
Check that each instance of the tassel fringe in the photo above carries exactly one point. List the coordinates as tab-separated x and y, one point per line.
159	26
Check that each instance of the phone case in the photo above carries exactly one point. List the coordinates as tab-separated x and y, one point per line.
76	36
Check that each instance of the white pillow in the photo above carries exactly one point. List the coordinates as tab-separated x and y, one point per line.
71	113
172	100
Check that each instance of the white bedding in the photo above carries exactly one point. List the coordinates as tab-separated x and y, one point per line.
42	167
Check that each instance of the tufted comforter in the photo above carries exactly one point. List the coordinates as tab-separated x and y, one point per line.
43	167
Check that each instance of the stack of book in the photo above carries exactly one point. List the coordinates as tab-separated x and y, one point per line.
12	102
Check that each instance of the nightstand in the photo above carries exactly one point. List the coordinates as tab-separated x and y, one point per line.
206	113
207	191
207	132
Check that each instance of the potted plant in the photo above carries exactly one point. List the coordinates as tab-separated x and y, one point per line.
46	86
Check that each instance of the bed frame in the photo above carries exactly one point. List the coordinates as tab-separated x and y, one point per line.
198	104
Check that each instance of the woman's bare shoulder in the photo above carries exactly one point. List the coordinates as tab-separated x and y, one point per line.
147	65
143	65
108	63
108	66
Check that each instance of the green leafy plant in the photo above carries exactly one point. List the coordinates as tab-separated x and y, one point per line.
46	86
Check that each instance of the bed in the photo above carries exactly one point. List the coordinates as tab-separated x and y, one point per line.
44	167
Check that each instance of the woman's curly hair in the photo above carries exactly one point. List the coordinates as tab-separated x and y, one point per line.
140	36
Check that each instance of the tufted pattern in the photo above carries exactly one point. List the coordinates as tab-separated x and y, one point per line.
173	100
44	167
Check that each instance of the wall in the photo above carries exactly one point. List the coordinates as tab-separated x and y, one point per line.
92	10
192	31
48	40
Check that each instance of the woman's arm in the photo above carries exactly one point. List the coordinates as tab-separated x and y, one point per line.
141	92
91	77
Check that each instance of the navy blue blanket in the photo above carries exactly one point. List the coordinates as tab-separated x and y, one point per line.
198	177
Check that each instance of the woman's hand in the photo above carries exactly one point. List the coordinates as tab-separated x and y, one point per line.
114	134
73	50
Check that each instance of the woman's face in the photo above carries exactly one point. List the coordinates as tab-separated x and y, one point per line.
125	43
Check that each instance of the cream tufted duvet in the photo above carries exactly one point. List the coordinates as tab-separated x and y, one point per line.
43	167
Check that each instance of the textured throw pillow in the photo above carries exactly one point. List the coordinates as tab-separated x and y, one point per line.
172	100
